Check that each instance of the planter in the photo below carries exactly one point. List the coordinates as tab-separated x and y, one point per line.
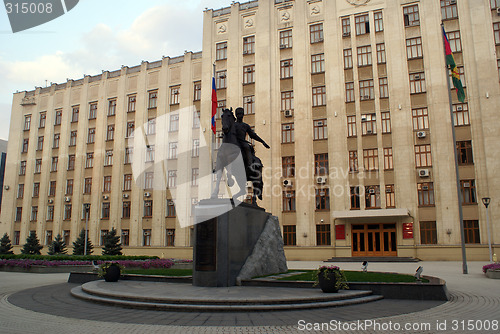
327	284
112	273
495	274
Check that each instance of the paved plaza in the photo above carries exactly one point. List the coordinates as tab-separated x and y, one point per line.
40	303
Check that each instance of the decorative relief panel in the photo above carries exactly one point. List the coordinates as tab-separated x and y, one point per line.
358	2
221	27
315	8
248	22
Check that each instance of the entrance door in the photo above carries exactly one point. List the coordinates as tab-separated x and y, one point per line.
374	240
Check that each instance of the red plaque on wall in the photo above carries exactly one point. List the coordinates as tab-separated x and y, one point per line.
340	232
407	230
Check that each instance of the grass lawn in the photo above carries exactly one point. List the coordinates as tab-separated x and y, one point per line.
160	271
358	276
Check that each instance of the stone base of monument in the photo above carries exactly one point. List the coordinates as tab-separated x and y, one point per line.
237	243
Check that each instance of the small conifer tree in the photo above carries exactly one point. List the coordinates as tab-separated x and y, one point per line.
79	245
5	245
58	246
111	242
32	245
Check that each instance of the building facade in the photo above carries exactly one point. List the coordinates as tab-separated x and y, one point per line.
351	95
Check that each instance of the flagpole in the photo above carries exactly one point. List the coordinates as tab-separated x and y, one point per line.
459	191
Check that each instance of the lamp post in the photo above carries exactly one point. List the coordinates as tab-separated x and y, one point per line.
486	202
86	206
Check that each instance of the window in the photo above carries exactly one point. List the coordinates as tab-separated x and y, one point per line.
50	213
66	235
55	143
20	191
323	235
153	99
289	235
366	90
461	114
89	161
351	126
75	112
172	150
174	123
425	193
67	212
195	174
316	33
93	110
39	145
91	136
346	27
22	168
86	210
34	213
151	128
349	92
347	59
494	4
288	166
105	210
414	48
220	80
125	239
364	55
197	91
428	233
386	121
355	202
322	199
353	161
287	133
195	152
464	152
129	153
321	164
108	158
248	74
19	214
72	138
221	105
71	162
130	129
286	69
384	87
172	179
52	188
170	237
318	63
174	95
468	189
131	103
454	40
461	74
149	180
449	9
362	24
379	23
25	145
368	124
471	231
423	156
148	209
110	134
69	187
43	118
285	39
38	166
388	162
27	122
58	118
372	197
420	119
111	107
248	45
221	51
287	101
390	198
107	184
381	53
87	189
417	83
320	130
170	208
249	105
36	189
411	16
370	159
496	32
319	96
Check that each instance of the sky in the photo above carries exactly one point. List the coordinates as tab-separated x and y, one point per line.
94	36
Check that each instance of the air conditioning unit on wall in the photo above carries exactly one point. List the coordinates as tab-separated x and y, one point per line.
424	173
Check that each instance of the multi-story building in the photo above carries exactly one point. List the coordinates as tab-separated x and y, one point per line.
351	95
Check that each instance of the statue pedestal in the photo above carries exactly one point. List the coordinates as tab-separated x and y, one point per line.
225	246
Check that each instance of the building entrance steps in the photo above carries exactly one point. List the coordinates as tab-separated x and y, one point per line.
186	297
372	259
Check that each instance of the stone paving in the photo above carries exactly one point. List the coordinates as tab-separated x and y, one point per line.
51	309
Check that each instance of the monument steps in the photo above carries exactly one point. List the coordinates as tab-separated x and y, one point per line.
372	259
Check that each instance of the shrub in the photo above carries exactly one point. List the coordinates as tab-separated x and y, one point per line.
58	246
5	245
32	245
111	242
79	244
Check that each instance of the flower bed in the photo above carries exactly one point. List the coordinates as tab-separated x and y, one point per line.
28	263
491	266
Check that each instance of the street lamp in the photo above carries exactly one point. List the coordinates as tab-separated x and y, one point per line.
86	206
486	202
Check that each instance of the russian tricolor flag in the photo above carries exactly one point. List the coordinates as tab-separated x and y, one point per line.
214	104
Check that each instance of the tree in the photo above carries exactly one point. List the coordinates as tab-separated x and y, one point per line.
111	242
79	245
5	245
32	245
58	246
